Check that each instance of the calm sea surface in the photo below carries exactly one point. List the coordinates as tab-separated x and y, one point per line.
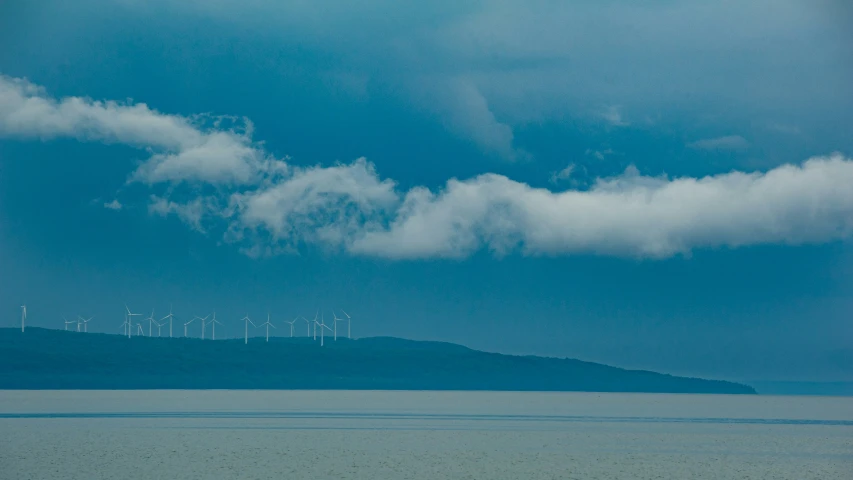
420	435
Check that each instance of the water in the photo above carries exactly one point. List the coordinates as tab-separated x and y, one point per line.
420	435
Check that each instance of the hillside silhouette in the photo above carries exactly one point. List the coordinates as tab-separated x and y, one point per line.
56	359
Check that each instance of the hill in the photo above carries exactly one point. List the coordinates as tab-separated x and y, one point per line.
55	359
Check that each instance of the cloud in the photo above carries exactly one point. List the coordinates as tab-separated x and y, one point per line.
729	142
315	205
599	154
785	129
613	115
114	205
630	215
564	174
266	205
466	111
191	213
185	149
493	67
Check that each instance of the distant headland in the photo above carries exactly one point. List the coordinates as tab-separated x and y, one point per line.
55	359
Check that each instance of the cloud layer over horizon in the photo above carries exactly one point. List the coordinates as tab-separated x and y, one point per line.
485	70
212	174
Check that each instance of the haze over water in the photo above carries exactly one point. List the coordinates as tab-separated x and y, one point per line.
421	435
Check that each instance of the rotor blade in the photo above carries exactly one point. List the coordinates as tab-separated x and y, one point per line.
345	313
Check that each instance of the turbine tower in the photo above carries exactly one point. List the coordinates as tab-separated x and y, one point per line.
82	322
268	325
86	324
247	321
159	327
307	326
130	320
316	315
151	322
185	325
323	328
335	323
213	323
349	324
203	324
23	317
169	316
291	325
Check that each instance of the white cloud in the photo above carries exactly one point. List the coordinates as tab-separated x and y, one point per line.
114	205
564	174
600	154
184	149
785	129
466	111
729	142
318	205
613	115
629	215
267	206
533	60
192	213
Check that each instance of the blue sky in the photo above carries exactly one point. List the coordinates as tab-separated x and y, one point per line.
663	186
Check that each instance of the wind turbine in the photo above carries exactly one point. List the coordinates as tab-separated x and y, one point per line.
268	325
159	326
335	323
169	316
185	325
125	325
247	321
82	321
86	324
67	322
349	324
151	322
23	317
307	326
291	325
323	327
139	330
315	324
130	320
214	322
203	324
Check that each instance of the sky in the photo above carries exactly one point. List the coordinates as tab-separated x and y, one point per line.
662	186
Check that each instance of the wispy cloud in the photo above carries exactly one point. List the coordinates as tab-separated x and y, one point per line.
114	205
266	205
564	174
201	148
484	69
613	115
599	154
785	129
729	142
